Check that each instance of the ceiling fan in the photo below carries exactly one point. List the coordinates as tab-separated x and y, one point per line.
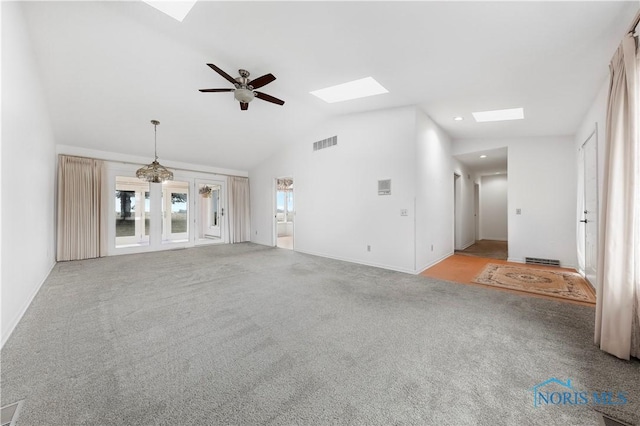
244	90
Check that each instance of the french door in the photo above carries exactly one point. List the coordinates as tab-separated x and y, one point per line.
210	205
189	210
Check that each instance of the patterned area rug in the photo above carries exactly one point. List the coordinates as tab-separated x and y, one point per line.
566	285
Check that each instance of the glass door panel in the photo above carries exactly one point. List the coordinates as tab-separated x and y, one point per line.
130	216
210	212
175	211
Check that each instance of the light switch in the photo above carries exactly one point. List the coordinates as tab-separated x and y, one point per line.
518	211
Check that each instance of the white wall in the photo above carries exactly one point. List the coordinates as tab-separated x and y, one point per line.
434	193
28	173
594	120
338	211
493	207
542	182
595	116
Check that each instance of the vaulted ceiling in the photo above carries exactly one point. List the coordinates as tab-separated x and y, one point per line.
109	67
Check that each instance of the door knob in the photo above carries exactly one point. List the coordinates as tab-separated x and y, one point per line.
584	220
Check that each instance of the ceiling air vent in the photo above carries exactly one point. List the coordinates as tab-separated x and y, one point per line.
325	143
384	187
537	261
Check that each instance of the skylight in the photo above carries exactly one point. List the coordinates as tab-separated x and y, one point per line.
176	9
499	115
352	90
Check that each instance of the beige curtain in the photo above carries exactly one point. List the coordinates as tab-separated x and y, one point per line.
239	211
617	316
80	208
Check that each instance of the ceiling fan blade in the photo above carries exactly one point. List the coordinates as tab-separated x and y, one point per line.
269	98
244	106
262	81
217	90
222	73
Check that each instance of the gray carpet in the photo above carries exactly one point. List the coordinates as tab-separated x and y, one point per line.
244	334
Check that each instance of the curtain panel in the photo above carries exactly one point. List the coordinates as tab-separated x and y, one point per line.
617	328
239	211
81	226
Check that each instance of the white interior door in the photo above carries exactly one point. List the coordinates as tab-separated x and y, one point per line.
476	210
590	218
211	211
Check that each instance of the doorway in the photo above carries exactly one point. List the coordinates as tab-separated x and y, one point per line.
284	216
476	210
590	211
456	210
210	209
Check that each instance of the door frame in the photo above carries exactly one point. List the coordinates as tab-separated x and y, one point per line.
275	211
224	221
593	136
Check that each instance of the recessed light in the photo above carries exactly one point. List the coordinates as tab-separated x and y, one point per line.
458	118
497	173
176	9
499	115
352	90
483	156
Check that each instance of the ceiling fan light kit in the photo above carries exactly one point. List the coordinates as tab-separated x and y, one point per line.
243	95
243	90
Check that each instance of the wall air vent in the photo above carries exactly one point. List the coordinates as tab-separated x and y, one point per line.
384	187
537	261
325	143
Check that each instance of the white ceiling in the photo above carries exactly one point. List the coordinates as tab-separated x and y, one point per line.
495	161
110	67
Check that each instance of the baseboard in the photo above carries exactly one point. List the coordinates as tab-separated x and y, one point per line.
15	321
360	262
562	265
435	262
467	245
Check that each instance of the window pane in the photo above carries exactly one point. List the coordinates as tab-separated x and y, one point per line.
125	214
178	212
280	206
215	207
147	213
175	211
131	211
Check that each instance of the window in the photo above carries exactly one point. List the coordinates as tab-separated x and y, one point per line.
175	211
132	211
210	211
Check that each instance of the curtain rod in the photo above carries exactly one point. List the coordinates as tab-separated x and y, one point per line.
137	164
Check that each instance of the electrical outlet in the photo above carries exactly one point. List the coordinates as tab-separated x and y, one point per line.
404	212
368	248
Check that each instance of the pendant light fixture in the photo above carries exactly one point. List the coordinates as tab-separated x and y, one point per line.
155	172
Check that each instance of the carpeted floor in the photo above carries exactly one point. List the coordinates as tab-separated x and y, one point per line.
487	248
244	334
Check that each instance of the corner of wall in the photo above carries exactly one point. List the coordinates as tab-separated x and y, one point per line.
28	148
